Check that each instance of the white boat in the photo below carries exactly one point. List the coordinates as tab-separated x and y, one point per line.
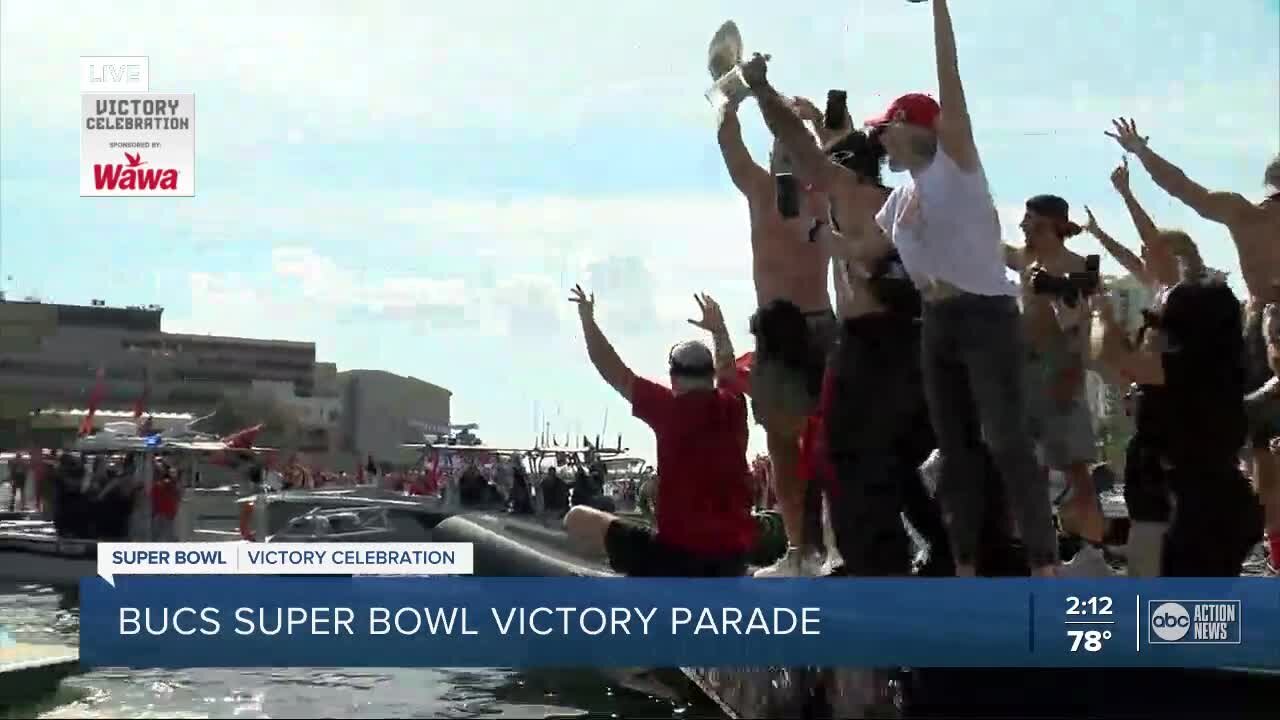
32	549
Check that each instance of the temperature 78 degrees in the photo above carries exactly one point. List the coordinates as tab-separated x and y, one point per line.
1089	640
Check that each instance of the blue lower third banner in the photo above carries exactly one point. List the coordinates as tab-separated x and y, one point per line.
579	622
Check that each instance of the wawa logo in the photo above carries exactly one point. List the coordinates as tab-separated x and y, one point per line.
133	176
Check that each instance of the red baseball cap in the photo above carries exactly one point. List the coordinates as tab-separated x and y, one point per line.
915	109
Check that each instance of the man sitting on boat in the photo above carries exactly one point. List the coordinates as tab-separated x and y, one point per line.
704	522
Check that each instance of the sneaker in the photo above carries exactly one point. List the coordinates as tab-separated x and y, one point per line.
831	564
1088	563
795	563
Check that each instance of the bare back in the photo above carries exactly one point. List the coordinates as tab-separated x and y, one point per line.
1257	239
786	264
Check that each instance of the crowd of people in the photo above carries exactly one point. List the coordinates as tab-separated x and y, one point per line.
930	358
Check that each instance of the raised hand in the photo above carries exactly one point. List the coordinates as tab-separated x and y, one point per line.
1126	133
756	71
712	318
1092	226
1120	176
586	303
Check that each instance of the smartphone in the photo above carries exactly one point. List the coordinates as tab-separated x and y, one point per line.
1092	263
788	195
837	109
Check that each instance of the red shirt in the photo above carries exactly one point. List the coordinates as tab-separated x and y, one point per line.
164	499
704	486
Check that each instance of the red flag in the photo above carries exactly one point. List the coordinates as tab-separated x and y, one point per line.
95	398
815	462
140	405
741	382
434	482
243	439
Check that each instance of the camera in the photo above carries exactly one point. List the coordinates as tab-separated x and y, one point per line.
837	109
1071	287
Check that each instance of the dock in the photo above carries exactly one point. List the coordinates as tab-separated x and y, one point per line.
28	672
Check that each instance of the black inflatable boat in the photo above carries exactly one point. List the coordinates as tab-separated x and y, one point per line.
521	546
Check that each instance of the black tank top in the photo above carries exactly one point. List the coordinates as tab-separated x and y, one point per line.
893	288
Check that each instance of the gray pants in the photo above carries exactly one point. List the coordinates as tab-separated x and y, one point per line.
972	352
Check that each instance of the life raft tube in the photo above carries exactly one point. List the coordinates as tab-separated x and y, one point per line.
500	551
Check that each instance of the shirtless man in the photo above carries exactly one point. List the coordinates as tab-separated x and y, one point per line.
788	266
1057	335
971	336
1255	230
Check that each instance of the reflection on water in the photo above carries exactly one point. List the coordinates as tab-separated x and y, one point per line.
38	614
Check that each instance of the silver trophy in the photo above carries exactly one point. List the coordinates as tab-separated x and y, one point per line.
724	62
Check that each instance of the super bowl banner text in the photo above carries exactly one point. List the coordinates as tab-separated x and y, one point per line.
447	621
137	144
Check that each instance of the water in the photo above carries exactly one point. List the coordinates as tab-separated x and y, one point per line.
37	614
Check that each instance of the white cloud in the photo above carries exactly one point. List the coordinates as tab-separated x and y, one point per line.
512	264
325	283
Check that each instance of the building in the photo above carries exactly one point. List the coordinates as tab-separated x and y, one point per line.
50	356
51	353
383	411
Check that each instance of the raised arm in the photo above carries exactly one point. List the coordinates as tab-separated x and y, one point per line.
603	356
1224	207
746	175
1147	231
1123	255
713	322
955	130
810	162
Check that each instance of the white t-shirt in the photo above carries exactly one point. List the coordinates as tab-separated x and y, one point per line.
945	226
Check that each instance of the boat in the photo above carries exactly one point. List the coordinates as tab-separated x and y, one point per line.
28	672
34	548
506	546
625	477
368	523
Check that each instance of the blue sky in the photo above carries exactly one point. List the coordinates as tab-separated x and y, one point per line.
414	185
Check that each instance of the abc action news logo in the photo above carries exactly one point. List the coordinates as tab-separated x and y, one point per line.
137	144
1194	622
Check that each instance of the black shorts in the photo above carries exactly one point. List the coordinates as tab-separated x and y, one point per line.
635	550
